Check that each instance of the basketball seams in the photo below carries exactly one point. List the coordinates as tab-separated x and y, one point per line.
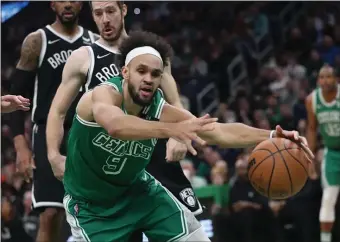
286	148
271	176
284	162
271	154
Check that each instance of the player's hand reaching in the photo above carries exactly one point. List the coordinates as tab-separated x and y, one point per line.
58	166
175	151
186	131
295	137
25	163
11	103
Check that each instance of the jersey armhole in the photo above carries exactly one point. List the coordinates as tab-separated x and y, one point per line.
160	109
91	35
43	46
314	97
91	67
110	84
161	91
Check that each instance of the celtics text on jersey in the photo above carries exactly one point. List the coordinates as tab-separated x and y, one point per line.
328	117
100	168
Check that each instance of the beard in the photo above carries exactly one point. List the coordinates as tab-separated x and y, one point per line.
67	22
117	35
136	99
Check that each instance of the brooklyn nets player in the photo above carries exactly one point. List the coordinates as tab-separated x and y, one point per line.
43	56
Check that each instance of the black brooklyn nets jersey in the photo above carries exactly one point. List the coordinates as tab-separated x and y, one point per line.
56	48
103	65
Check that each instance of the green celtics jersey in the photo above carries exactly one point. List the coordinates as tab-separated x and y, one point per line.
100	168
328	117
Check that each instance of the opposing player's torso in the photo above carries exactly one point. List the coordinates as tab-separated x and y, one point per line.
328	117
56	48
100	168
103	65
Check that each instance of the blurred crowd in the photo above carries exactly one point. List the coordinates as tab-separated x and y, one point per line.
206	38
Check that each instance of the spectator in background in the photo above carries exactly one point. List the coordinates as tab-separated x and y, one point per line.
297	43
190	173
328	50
286	119
30	218
219	173
199	67
302	210
224	114
11	225
337	64
273	110
249	215
313	65
257	20
299	109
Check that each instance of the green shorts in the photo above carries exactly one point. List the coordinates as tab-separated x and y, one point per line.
156	211
330	169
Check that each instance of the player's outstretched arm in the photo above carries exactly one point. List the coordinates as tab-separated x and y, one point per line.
232	135
312	124
73	77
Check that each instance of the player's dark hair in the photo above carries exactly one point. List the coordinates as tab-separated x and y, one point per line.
142	38
328	66
120	4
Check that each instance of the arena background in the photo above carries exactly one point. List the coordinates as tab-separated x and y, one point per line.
251	62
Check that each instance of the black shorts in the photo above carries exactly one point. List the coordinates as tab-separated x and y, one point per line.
47	191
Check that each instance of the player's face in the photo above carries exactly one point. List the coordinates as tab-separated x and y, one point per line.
327	80
109	19
67	11
144	75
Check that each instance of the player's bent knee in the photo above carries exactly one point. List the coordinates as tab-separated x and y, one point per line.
329	198
197	235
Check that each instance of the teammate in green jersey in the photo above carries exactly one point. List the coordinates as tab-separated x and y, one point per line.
108	192
323	107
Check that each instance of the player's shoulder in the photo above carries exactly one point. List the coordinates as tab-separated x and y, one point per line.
116	82
33	39
81	54
310	96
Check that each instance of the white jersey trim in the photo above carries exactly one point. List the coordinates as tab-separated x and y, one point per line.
113	50
43	46
91	68
66	38
87	123
333	102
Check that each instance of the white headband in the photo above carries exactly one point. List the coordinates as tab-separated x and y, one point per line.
141	51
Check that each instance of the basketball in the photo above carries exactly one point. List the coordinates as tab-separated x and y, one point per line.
278	168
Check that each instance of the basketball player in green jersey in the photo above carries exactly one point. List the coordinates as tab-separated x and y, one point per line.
108	192
323	107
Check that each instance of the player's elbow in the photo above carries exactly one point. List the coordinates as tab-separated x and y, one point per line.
114	131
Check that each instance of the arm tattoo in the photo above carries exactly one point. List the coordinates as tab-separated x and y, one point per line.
30	51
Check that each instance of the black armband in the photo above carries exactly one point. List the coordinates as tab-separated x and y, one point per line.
22	83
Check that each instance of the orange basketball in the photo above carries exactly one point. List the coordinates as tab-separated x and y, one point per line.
278	168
